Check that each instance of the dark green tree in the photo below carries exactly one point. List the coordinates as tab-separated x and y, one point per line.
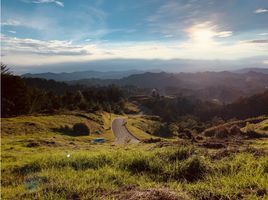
14	94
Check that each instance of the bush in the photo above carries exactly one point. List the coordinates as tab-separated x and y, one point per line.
178	154
209	132
139	164
186	134
81	129
193	169
251	131
235	130
221	132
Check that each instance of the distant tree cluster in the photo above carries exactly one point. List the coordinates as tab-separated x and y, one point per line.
252	106
171	110
26	95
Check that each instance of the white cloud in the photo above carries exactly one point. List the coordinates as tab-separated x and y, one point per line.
39	47
11	22
168	36
225	34
59	3
87	22
263	34
18	51
13	32
260	10
43	24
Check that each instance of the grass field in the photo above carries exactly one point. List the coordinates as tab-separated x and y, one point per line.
41	162
142	127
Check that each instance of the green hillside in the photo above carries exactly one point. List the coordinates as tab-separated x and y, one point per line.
39	161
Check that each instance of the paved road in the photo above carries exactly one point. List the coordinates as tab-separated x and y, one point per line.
121	133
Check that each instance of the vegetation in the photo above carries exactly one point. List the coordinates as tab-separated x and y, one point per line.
190	149
143	127
27	96
81	128
13	93
42	161
174	109
83	175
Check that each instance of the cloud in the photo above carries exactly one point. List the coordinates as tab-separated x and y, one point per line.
172	17
168	36
59	3
38	47
64	53
13	32
78	23
258	41
10	22
263	34
225	34
205	34
21	51
39	23
260	10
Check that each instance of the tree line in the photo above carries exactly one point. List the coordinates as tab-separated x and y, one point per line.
171	110
20	96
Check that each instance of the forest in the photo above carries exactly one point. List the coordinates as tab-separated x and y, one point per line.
172	109
22	96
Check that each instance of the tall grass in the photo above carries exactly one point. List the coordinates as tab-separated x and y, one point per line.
88	175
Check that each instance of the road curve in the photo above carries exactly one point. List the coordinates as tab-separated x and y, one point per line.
121	133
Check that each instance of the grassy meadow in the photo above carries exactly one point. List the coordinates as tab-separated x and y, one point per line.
41	159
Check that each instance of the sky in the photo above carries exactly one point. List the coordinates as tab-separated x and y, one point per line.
47	34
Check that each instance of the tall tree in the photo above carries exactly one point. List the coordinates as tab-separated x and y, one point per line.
14	94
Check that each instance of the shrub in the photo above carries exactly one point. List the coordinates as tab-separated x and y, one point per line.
187	133
193	169
221	132
142	164
251	131
265	127
235	130
178	154
81	129
139	164
209	132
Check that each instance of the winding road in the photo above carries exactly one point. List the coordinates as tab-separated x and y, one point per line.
121	133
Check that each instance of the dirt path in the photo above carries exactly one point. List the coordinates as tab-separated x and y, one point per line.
121	133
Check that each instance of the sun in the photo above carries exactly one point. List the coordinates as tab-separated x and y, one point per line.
202	35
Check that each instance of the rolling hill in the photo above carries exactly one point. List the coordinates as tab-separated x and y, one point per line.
82	75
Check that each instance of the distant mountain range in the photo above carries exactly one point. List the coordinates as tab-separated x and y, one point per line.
224	86
246	70
184	80
72	76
